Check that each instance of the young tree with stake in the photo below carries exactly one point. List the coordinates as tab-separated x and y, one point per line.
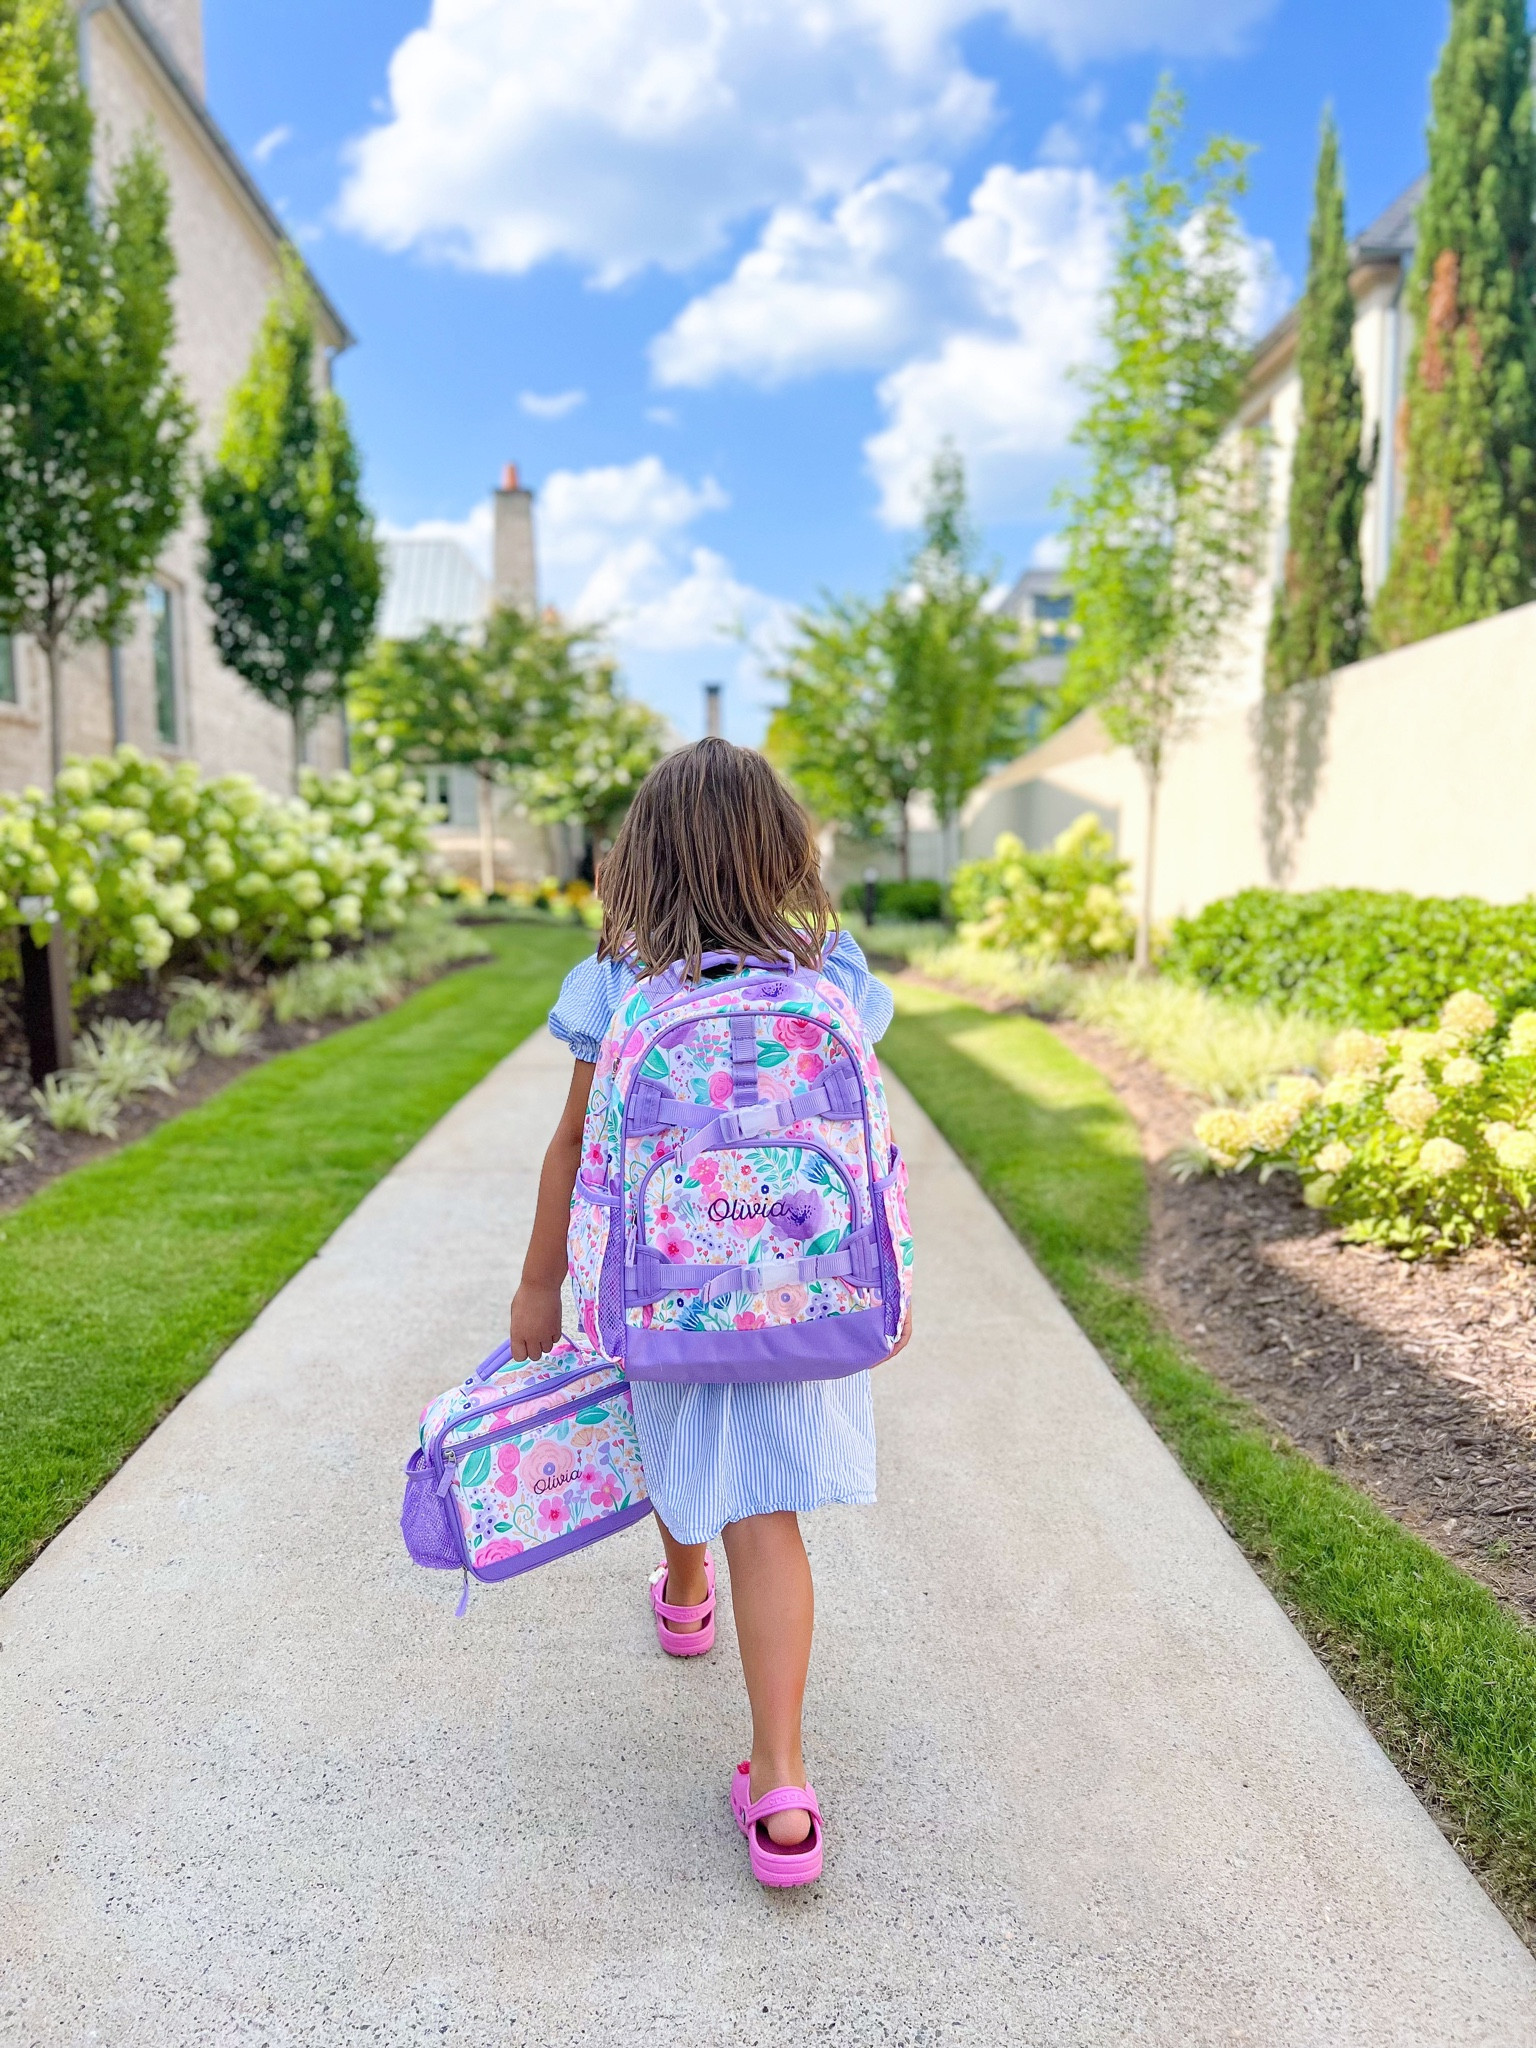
293	570
496	704
94	426
1164	535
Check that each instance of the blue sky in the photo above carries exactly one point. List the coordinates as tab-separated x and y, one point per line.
718	274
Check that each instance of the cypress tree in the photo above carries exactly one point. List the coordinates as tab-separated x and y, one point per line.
1319	616
1466	546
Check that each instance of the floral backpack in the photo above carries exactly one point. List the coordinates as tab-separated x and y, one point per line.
740	1210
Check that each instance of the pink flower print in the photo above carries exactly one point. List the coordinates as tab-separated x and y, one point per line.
721	1087
673	1245
748	1321
749	1226
506	1467
589	1324
664	1215
706	1171
647	1315
798	1033
808	1065
605	1494
589	1476
547	1467
551	1515
495	1552
786	1303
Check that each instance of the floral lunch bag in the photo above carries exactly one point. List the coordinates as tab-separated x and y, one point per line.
521	1463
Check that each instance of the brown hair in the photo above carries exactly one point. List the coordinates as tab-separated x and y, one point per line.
715	855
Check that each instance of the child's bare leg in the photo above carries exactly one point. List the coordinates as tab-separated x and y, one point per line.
774	1604
686	1585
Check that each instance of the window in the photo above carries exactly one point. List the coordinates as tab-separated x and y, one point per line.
1051	616
7	669
162	621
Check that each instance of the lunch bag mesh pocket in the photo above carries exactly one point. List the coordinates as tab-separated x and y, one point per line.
424	1523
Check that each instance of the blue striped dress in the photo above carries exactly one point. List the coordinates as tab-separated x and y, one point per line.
717	1454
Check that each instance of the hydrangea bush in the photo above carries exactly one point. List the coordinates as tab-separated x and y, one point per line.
1064	904
1423	1140
146	862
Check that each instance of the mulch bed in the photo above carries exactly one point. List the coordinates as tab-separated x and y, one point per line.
1416	1382
58	1151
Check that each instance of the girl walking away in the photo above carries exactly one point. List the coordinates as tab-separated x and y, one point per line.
725	1194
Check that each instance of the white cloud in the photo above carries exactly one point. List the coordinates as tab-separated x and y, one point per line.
270	143
615	548
847	291
621	133
550	405
1035	246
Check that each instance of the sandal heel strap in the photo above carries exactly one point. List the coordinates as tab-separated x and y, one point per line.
786	1799
700	1613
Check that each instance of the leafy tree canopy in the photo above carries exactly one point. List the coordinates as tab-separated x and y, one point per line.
94	425
1319	618
1466	542
293	569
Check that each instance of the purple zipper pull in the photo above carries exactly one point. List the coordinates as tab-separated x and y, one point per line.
463	1607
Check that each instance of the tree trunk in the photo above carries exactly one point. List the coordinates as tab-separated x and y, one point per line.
1143	961
484	790
298	744
54	657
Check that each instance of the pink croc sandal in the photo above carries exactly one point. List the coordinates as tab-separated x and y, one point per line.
771	1864
699	1640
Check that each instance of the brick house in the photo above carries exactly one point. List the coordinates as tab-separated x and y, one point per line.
164	688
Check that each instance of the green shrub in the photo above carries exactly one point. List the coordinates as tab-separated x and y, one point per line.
1065	904
13	1139
1038	985
903	902
146	863
1424	1140
1359	956
74	1101
130	1059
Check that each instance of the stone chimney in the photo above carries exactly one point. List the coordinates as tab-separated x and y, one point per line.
179	25
514	572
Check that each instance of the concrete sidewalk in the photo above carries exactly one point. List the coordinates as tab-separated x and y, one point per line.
1084	1783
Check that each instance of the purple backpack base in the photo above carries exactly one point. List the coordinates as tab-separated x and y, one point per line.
522	1463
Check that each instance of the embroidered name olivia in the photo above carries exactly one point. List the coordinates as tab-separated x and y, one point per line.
723	1211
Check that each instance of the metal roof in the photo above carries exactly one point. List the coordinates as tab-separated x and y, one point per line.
1392	232
430	583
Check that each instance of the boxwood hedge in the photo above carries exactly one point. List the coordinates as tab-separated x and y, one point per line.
1359	956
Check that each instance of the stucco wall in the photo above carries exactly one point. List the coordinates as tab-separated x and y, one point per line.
227	268
1424	772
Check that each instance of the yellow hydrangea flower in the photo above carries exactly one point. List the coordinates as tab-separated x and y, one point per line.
1334	1157
1442	1155
1468	1014
1224	1134
1357	1052
1299	1091
1411	1104
1271	1123
1415	1047
1495	1133
1521	1042
1344	1091
1461	1072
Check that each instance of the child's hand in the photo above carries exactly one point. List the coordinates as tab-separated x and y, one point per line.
535	1321
903	1335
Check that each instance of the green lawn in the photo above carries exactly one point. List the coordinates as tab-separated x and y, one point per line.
1446	1678
122	1282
